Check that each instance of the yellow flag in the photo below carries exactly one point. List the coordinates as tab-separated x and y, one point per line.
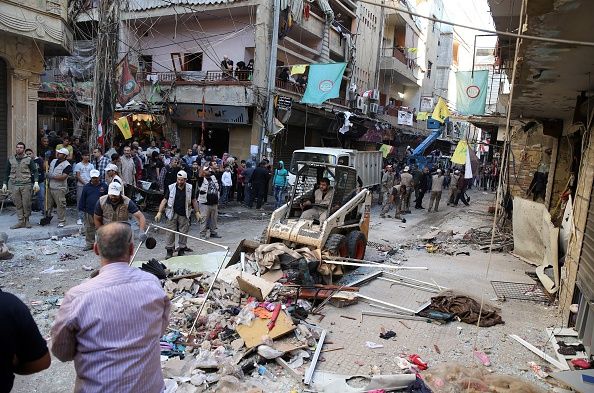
422	116
459	156
386	150
298	69
441	111
124	127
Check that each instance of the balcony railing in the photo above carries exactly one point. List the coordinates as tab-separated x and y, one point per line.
399	54
227	77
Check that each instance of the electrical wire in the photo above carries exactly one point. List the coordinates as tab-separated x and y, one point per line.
498	32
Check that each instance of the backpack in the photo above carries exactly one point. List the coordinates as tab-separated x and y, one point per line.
212	194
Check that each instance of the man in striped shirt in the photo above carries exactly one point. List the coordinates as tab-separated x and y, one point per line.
111	324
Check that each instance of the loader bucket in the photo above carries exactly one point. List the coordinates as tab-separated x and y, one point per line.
247	246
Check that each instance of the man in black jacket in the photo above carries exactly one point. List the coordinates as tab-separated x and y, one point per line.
259	180
422	182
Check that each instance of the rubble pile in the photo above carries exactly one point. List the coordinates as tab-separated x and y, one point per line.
237	342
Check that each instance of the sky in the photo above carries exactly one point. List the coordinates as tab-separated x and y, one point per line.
470	12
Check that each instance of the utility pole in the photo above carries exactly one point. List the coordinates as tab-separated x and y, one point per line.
271	76
105	85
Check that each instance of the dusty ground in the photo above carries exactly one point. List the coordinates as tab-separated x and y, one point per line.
27	276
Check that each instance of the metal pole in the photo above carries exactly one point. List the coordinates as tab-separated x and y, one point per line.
269	123
190	236
139	245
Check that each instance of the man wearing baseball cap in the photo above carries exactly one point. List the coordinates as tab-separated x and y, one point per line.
116	207
89	197
59	170
208	198
111	175
406	180
178	203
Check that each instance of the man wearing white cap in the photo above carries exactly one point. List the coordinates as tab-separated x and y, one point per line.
20	168
111	175
406	180
453	187
436	189
178	203
89	197
116	207
59	170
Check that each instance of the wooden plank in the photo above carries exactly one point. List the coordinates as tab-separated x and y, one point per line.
553	361
252	335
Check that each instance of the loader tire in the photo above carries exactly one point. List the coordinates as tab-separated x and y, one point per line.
356	244
337	245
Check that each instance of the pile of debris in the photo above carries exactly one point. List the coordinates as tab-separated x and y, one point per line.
482	237
238	341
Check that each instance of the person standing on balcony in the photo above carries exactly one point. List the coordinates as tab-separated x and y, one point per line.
227	66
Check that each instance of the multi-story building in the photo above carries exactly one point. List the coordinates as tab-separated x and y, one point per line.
29	30
551	110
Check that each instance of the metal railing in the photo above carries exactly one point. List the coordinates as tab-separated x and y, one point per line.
235	76
399	54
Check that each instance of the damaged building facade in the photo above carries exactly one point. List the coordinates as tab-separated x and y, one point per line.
550	157
29	30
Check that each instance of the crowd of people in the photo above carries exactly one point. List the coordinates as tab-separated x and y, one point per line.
397	188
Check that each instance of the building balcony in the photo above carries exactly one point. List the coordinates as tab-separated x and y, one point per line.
196	77
44	21
406	67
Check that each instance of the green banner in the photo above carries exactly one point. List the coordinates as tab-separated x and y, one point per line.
471	92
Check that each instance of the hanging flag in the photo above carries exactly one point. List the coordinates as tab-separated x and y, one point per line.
459	156
386	150
100	133
127	87
471	92
468	166
323	82
422	116
298	69
441	111
124	127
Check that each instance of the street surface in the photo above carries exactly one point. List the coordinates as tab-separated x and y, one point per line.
43	270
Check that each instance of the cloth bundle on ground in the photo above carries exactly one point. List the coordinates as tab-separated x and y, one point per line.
467	308
457	378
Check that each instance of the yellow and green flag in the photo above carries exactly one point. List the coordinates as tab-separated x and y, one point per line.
124	127
441	111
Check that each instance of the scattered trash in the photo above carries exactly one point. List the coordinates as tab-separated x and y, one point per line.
372	345
537	370
87	268
387	335
482	357
53	270
417	361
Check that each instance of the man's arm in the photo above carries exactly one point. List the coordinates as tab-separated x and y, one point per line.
62	333
98	215
7	172
140	219
34	171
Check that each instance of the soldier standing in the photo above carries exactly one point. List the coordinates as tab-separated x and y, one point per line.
19	169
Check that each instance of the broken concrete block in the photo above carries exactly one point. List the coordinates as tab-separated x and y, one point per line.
236	345
185	284
173	367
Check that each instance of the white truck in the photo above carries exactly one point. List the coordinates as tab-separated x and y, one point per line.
367	163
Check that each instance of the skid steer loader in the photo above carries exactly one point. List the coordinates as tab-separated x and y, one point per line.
345	228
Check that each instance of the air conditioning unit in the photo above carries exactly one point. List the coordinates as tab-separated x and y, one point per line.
373	107
375	95
360	102
364	109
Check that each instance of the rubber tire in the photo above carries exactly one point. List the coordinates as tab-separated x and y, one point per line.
356	244
337	245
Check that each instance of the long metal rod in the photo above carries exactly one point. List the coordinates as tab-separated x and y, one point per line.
416	281
139	245
190	236
498	32
394	316
314	360
223	262
410	285
383	266
408	310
